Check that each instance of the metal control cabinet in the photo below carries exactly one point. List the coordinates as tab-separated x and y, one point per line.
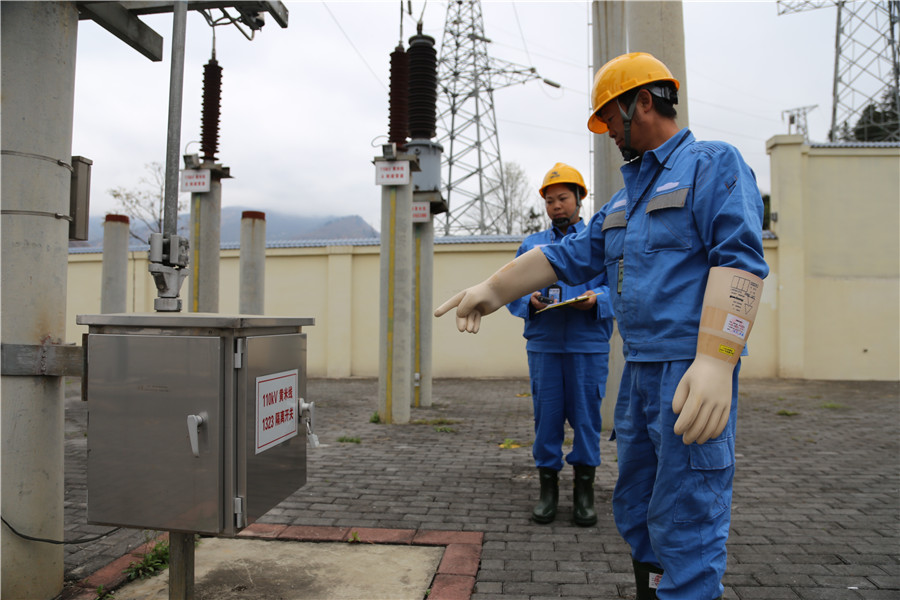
194	420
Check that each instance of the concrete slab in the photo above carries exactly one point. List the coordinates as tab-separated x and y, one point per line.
245	569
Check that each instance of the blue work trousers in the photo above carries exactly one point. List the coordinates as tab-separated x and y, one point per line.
567	387
672	503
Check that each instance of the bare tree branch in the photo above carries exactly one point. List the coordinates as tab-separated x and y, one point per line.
145	205
524	213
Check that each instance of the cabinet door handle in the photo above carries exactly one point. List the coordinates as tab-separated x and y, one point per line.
193	424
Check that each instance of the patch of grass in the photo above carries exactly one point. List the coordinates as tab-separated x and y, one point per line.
833	406
438	421
787	413
444	429
523	395
568	442
103	594
509	443
348	440
152	563
354	538
375	418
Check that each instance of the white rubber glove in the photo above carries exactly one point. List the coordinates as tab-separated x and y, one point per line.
703	396
528	272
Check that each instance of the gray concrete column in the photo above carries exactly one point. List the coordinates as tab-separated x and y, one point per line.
37	46
114	287
609	33
396	284
206	238
423	240
657	27
253	263
608	19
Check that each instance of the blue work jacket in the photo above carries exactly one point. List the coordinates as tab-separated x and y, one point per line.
565	329
686	207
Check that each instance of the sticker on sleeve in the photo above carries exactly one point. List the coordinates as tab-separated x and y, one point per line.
655	579
736	326
726	350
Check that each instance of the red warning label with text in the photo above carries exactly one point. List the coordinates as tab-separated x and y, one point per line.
276	409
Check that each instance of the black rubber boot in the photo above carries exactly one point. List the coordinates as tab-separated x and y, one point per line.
545	511
642	572
583	511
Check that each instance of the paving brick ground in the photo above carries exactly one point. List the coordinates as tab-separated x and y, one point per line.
816	508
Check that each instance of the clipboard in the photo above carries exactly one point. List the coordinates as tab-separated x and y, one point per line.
575	300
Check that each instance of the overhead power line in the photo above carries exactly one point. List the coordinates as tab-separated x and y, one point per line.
355	49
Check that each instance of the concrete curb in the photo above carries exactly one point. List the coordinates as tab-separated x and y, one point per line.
454	579
112	576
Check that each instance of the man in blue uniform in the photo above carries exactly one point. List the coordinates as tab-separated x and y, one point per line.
681	244
568	358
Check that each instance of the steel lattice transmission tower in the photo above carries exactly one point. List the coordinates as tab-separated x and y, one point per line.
472	170
796	118
866	92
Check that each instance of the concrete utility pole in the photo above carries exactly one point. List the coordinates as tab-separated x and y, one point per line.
608	36
395	360
423	261
657	27
114	287
422	96
38	81
618	27
206	243
206	205
253	263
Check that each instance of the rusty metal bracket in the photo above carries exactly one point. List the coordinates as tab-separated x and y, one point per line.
49	359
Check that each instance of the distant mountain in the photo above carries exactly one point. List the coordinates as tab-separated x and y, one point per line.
280	227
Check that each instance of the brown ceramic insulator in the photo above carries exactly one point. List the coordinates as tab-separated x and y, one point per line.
422	87
398	126
212	99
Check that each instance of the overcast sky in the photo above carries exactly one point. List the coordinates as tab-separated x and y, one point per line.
305	109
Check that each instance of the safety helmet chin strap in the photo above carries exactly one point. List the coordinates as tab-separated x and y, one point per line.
628	153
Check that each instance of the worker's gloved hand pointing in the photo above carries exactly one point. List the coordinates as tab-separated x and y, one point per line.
470	305
526	273
703	396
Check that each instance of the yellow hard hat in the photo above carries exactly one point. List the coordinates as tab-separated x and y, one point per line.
621	74
563	173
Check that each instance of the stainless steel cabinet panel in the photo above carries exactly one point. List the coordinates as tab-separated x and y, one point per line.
141	468
267	477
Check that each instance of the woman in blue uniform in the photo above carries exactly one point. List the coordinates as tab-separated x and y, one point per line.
568	358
